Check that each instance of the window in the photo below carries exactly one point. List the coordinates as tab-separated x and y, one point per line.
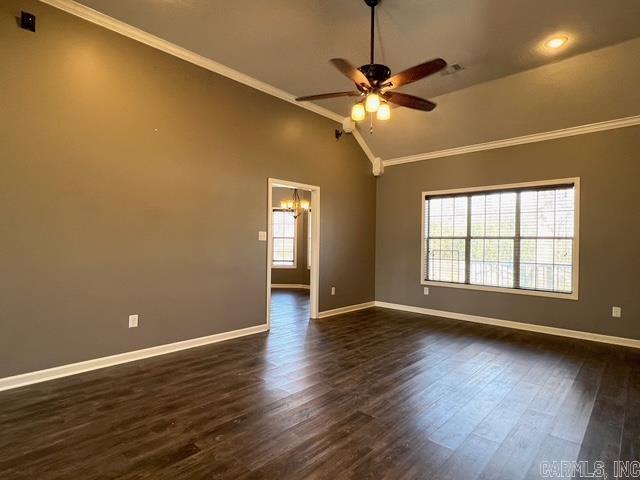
519	238
284	239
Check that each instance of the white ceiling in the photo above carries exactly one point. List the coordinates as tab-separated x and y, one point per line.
287	43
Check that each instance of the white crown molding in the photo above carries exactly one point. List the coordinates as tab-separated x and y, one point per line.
103	20
103	362
363	144
347	309
562	332
536	137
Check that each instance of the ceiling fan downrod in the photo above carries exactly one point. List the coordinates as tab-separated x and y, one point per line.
374	85
376	74
372	4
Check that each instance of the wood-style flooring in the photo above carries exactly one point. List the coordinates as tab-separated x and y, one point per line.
368	395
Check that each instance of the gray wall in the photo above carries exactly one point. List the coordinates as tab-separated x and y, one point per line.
133	182
301	274
609	167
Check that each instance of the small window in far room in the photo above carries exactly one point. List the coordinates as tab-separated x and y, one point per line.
284	239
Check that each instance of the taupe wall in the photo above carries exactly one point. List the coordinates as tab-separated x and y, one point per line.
301	274
133	182
609	166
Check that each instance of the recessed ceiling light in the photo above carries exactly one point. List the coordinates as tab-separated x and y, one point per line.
556	41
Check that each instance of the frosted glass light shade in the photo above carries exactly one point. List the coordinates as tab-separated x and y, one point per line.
357	112
372	103
384	112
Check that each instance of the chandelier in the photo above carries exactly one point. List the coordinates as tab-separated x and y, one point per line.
295	206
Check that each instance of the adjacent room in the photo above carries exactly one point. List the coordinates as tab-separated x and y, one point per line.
338	239
291	258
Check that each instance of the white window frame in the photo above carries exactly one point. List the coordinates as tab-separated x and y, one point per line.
295	244
574	295
309	239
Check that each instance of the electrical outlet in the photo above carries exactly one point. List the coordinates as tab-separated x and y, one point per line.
133	321
333	290
426	290
616	312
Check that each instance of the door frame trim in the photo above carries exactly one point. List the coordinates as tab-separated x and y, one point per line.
314	276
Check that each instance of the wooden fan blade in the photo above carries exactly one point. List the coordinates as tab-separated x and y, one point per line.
409	101
328	95
350	71
418	72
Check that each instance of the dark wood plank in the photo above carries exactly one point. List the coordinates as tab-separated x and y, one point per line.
518	451
603	434
468	460
630	443
553	451
366	395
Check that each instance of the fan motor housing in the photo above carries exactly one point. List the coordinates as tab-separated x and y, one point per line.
376	73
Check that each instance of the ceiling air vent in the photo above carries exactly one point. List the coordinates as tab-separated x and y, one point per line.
451	69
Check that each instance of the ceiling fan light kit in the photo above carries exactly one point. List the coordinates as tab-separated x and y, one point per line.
374	83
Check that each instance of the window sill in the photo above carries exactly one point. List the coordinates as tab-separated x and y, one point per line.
535	293
290	267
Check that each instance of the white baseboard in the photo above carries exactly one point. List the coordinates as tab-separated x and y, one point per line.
348	308
290	285
562	332
96	363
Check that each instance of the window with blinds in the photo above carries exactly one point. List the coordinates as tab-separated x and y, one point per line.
284	239
520	237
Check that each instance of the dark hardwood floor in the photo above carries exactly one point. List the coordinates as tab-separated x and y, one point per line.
371	394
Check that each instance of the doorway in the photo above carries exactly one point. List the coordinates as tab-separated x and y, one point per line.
293	256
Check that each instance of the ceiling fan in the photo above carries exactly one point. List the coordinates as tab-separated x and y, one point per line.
375	85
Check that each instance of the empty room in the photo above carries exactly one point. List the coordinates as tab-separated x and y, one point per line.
319	239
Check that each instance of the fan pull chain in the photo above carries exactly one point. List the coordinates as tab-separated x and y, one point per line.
371	124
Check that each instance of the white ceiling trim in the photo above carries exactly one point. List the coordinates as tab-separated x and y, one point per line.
103	20
363	144
536	137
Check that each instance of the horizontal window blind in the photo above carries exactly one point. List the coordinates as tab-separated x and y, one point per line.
518	238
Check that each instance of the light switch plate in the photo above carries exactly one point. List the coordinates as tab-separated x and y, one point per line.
616	312
333	290
133	321
426	290
262	236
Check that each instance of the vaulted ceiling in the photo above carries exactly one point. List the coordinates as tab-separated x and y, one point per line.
499	44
